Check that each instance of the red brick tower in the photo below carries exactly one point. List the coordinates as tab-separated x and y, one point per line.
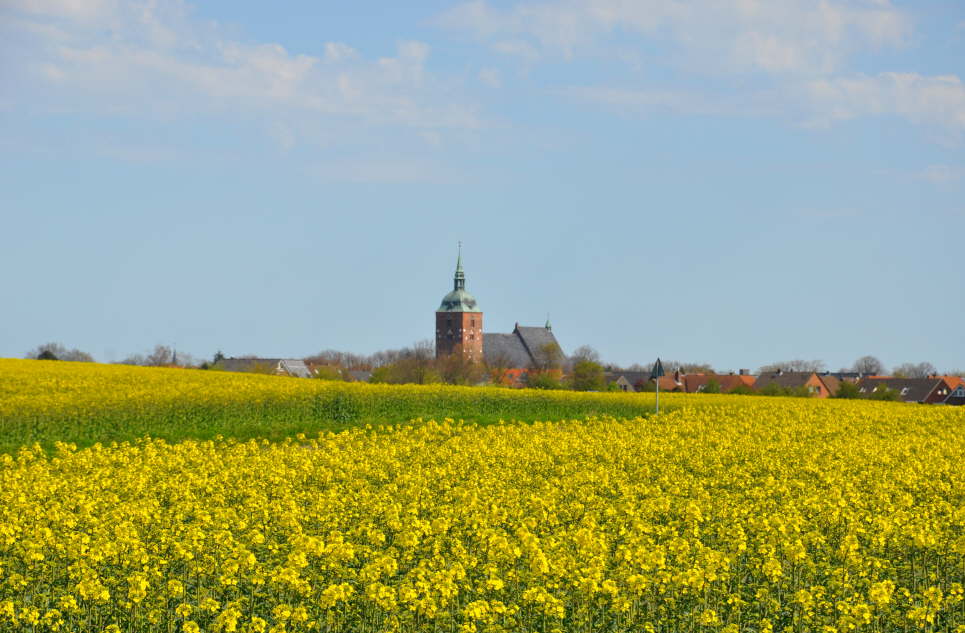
459	321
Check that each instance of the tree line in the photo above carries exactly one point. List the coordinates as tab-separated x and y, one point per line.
583	370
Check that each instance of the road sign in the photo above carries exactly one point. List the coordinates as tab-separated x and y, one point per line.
655	375
657	370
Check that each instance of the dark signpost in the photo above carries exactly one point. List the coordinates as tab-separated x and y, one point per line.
655	375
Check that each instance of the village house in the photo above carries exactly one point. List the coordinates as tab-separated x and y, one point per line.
930	390
957	396
277	366
633	381
697	383
817	386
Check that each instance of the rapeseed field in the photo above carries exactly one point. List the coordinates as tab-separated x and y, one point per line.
85	403
728	513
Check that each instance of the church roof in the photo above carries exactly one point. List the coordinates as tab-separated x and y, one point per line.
524	347
459	300
537	340
505	350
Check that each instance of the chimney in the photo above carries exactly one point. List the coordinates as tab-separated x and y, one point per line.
745	372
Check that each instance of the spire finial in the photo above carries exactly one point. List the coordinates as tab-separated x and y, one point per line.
460	278
548	326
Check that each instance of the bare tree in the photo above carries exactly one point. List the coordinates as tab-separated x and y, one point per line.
585	352
57	351
869	365
793	365
345	360
548	356
497	364
457	369
423	350
915	370
671	365
415	364
161	356
692	368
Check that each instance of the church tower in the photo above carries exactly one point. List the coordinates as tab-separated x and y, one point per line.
459	321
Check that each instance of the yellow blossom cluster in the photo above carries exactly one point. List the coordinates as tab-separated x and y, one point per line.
741	514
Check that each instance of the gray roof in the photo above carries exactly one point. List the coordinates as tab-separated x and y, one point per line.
296	368
290	366
635	378
505	350
909	389
524	347
786	379
250	364
537	341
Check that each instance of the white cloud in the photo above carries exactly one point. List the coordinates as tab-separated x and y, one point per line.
153	58
491	77
83	10
943	174
518	48
384	170
677	102
647	101
790	36
936	101
336	52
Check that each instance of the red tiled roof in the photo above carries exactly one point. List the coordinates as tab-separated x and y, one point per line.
953	381
728	382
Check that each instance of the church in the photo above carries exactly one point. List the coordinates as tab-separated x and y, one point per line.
459	330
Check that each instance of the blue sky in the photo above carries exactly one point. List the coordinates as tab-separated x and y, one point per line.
729	181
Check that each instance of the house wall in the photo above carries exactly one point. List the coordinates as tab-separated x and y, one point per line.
460	330
821	391
937	394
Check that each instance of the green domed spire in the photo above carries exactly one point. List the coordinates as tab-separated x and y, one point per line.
459	300
460	279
